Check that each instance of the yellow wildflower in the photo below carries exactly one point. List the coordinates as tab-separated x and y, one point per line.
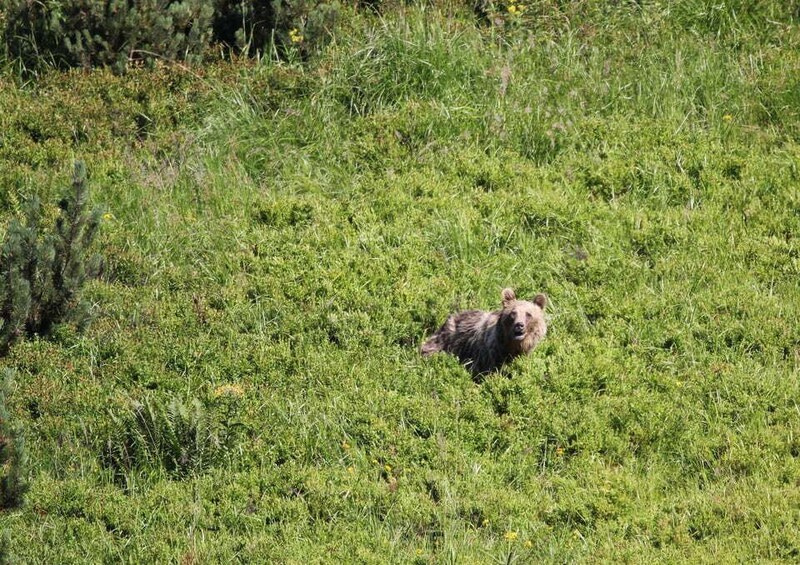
559	451
727	117
528	543
351	470
510	536
345	445
387	468
512	9
295	36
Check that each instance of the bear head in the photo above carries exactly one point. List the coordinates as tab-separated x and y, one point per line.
522	323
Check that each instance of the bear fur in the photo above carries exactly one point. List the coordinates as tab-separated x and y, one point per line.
483	341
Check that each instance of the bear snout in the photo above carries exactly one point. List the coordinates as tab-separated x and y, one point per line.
519	331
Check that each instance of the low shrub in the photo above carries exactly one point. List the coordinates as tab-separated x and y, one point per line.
94	33
88	33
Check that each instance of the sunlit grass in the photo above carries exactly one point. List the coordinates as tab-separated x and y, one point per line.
284	237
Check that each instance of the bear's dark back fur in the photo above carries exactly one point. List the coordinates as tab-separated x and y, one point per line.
483	341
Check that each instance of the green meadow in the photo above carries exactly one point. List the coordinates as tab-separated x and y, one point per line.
281	234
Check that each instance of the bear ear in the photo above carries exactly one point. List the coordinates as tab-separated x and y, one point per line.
540	300
508	296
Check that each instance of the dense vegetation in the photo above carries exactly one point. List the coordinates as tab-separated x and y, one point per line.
120	33
281	234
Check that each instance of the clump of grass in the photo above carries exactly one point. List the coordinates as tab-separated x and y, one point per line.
182	438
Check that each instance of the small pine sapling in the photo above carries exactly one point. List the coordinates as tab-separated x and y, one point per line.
42	274
13	458
5	558
58	298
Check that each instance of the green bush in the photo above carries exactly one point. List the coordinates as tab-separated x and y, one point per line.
13	458
93	33
88	33
42	273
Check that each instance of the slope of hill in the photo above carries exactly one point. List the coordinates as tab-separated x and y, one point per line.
280	237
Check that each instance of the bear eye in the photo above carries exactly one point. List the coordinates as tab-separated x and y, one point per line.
528	315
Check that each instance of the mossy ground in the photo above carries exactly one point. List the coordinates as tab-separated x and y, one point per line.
280	238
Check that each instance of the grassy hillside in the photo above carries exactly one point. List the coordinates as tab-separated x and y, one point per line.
280	237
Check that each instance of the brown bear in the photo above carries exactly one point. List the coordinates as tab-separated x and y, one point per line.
483	341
